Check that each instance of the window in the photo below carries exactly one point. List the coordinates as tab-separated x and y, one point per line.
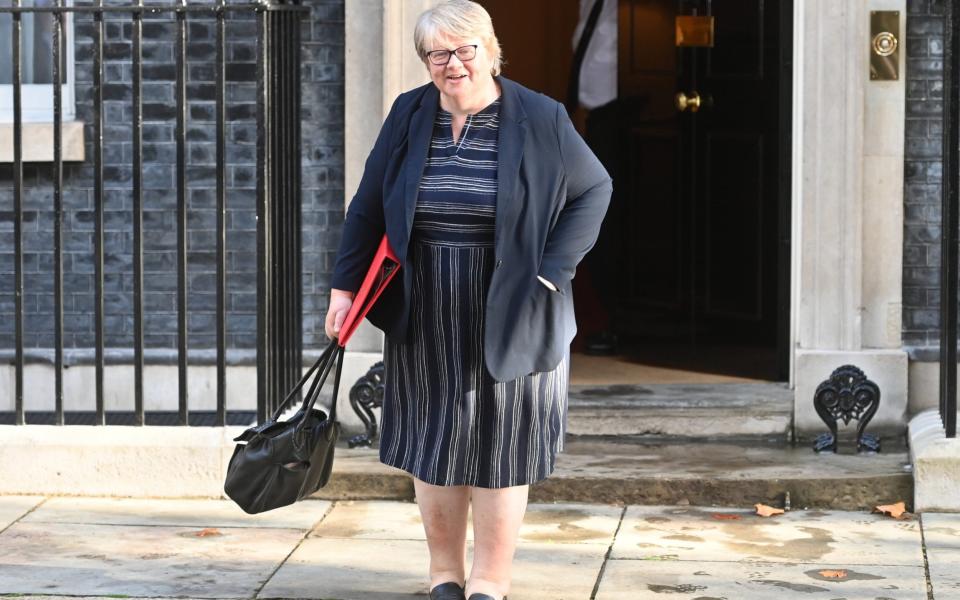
36	56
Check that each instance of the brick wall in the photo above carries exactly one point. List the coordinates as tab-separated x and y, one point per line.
323	167
922	173
322	164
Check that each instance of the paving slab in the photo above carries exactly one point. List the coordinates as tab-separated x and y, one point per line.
556	571
570	523
553	523
715	580
352	569
376	550
698	533
372	520
99	560
15	507
361	569
185	513
941	535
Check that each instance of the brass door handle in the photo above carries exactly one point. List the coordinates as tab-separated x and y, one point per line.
691	103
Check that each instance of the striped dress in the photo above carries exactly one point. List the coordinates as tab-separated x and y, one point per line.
445	420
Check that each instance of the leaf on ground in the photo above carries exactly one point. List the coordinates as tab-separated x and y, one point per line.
729	516
837	574
897	510
208	531
767	511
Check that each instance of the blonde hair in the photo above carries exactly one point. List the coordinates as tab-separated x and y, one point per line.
457	18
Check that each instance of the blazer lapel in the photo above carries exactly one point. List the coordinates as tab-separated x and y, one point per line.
513	131
418	146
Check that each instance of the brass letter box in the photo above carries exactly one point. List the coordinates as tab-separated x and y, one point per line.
884	45
694	31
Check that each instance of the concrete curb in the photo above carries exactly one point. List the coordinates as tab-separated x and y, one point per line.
861	493
936	464
148	461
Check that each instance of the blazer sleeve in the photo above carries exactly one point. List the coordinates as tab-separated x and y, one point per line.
588	190
364	225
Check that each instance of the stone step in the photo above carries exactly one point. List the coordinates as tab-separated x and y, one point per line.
709	410
641	471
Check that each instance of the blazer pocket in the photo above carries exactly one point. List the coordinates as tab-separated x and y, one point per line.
549	285
546	314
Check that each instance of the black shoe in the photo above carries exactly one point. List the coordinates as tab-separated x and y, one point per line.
483	597
450	590
602	343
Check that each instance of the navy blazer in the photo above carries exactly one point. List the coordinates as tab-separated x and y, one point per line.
552	194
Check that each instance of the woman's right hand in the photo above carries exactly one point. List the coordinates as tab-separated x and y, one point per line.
340	302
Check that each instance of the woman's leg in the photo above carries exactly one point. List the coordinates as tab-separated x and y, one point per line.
497	516
444	513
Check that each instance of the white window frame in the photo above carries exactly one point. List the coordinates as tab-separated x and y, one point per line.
36	99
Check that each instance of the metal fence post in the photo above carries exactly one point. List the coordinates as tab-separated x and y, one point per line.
279	283
278	200
950	235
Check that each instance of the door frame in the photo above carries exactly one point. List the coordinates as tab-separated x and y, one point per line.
846	209
832	307
785	283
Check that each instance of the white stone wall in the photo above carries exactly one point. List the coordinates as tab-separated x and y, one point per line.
847	209
380	64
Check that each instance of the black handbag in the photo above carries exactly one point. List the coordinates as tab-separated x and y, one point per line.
278	463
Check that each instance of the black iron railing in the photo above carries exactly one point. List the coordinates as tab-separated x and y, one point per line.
951	218
279	351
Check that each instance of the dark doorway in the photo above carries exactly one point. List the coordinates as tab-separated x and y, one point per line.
702	217
700	220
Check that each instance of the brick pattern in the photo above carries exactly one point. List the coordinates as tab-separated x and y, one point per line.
922	173
323	168
322	163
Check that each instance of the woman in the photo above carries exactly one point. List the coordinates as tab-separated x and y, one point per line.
489	198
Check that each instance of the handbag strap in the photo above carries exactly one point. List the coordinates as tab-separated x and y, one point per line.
323	357
308	402
322	367
383	269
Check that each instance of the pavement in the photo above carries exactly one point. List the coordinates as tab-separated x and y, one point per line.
52	547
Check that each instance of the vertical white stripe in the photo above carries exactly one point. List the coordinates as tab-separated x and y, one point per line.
539	416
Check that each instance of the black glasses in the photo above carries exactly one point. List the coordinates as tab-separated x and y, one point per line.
442	57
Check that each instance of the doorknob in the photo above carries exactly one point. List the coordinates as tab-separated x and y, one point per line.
691	103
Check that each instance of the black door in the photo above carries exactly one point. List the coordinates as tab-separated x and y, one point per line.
702	197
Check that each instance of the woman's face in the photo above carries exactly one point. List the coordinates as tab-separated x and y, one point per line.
461	80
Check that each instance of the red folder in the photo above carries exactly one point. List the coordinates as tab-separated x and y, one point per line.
384	266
